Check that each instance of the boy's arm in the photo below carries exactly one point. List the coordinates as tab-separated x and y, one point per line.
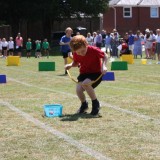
73	64
104	63
63	43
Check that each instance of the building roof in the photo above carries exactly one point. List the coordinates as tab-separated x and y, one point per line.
150	3
138	3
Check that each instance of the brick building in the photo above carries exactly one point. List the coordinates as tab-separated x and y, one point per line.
132	14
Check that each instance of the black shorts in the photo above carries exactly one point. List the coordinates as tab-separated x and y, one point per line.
65	54
91	76
98	45
19	49
4	48
11	50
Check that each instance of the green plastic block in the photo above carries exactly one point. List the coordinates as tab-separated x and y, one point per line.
119	65
46	66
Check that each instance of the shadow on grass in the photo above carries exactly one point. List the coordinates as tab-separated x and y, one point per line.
75	117
62	75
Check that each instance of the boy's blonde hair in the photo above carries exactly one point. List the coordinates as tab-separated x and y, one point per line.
78	42
68	29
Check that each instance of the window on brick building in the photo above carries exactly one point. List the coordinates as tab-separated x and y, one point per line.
154	12
127	12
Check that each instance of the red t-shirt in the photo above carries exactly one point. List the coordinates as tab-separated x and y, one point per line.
91	62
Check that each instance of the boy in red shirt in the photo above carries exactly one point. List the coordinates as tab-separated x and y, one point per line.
92	62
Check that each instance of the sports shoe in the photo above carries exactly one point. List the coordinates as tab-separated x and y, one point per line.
95	108
83	108
65	72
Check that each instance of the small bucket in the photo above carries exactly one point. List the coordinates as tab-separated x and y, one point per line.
144	61
53	110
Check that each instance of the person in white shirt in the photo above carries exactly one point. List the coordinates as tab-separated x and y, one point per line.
149	38
10	46
108	43
94	38
4	47
158	45
153	40
89	39
98	40
0	47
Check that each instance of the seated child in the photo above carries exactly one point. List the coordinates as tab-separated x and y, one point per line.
125	49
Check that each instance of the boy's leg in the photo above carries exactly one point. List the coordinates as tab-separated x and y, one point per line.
90	91
65	62
65	55
95	107
84	104
158	55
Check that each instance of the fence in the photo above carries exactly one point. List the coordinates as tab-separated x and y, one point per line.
5	31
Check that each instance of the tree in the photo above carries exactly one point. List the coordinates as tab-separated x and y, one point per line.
53	9
18	11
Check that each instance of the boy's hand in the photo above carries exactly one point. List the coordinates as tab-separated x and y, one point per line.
104	69
68	66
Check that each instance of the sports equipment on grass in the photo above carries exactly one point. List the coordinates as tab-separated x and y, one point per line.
90	83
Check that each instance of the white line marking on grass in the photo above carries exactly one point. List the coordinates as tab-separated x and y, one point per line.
136	90
139	82
42	88
60	135
144	117
30	85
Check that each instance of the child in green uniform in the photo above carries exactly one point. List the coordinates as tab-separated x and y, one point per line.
28	48
45	46
38	49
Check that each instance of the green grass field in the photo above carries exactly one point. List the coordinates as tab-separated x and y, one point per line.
129	128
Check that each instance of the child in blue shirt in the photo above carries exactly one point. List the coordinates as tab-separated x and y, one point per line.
64	42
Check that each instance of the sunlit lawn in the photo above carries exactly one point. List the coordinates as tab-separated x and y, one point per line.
129	128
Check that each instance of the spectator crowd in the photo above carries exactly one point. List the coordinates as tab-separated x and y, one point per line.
15	47
115	44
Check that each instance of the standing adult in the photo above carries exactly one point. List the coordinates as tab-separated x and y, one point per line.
103	33
131	41
137	50
94	38
148	43
153	40
108	43
89	39
98	40
19	44
1	48
114	45
158	45
64	42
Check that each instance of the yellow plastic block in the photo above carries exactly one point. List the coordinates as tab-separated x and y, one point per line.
13	61
69	60
128	58
144	61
